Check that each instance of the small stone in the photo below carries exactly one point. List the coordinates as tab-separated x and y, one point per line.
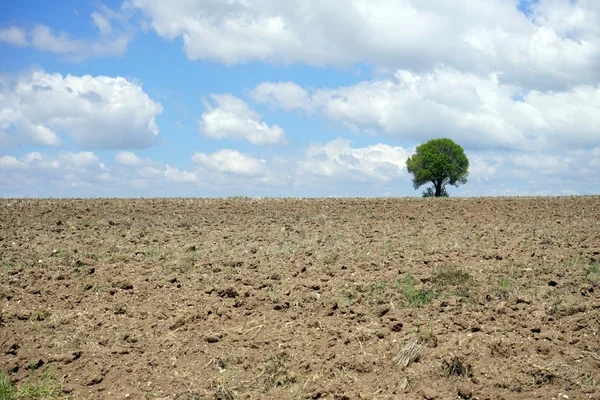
211	339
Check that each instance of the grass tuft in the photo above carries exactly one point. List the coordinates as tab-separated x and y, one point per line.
416	297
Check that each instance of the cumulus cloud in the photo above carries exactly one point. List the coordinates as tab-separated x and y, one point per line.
540	49
233	118
128	158
95	112
479	112
14	36
230	162
337	159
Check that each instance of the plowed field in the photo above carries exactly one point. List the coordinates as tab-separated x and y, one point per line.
301	299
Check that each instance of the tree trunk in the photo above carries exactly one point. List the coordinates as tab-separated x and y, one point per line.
438	189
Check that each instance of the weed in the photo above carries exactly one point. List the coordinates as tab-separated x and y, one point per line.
415	296
45	387
150	252
42	315
457	367
98	288
457	279
346	298
542	376
273	294
451	276
376	289
7	266
7	390
277	373
389	247
425	332
507	287
588	382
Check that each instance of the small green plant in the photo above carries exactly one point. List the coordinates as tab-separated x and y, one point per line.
425	332
415	296
451	276
376	289
507	287
37	388
430	192
457	367
454	279
42	315
344	298
98	288
588	382
7	389
594	274
276	371
7	266
389	247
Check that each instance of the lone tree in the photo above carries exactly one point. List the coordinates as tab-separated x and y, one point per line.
441	162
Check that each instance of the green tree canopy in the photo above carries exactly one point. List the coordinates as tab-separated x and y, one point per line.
441	162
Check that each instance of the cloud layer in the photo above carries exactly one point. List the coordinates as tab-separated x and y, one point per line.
557	44
478	112
95	112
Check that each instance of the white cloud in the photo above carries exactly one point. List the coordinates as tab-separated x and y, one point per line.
322	169
96	112
287	96
102	23
337	159
128	158
174	174
14	36
43	39
533	173
112	40
107	45
65	163
540	51
149	171
233	118
10	162
478	112
230	162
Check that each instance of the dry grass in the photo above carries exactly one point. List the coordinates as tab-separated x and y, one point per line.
409	353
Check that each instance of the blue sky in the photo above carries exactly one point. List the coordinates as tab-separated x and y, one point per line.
297	98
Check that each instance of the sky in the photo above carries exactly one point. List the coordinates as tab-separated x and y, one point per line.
296	98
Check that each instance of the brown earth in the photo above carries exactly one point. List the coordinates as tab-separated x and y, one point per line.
302	299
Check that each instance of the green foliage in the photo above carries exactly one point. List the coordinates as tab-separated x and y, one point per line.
7	390
415	296
430	192
44	387
440	162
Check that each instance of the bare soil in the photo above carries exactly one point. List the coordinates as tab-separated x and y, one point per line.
493	298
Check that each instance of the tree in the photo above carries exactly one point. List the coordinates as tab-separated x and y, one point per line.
441	162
